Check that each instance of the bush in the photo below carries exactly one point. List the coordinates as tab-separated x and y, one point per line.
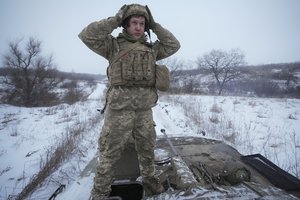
30	77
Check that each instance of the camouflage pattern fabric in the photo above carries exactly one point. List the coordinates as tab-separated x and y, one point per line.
131	98
128	115
136	9
97	36
120	126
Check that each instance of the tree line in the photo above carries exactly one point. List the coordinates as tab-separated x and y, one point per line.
220	72
32	79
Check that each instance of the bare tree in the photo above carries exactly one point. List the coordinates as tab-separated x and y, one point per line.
223	65
31	77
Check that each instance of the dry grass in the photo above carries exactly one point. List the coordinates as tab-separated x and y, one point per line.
217	125
215	108
55	156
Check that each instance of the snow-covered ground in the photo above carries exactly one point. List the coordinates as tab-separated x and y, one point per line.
268	126
28	135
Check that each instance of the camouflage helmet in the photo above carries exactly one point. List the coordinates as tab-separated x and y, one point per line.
135	9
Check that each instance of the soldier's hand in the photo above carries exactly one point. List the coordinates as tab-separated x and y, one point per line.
121	13
151	20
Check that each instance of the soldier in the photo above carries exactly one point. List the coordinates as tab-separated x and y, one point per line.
132	92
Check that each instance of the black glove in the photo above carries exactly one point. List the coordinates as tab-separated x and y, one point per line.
151	20
120	14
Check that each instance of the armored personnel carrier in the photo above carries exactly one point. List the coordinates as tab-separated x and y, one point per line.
201	168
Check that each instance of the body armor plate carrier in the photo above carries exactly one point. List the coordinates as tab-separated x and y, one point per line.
135	68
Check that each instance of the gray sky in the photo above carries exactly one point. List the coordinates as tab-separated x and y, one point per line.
267	31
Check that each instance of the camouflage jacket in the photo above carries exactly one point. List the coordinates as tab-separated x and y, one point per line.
97	36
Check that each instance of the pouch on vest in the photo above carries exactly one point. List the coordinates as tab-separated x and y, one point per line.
162	78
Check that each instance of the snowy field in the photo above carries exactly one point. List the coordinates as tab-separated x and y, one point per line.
29	135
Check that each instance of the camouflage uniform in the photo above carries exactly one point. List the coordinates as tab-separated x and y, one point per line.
130	99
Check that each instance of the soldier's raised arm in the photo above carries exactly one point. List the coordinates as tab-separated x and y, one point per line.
167	43
97	35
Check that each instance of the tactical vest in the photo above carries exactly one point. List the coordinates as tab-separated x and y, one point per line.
135	68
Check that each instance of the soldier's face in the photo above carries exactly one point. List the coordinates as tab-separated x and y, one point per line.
136	26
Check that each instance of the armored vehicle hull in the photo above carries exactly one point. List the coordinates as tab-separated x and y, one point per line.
200	168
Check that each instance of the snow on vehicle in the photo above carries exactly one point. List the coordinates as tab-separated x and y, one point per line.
201	168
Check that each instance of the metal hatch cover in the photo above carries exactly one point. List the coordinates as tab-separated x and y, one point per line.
272	172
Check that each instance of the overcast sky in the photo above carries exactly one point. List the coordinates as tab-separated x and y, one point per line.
267	31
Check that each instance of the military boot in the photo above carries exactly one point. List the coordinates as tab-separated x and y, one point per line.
152	186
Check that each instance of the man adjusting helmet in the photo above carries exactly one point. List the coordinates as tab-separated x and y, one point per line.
132	90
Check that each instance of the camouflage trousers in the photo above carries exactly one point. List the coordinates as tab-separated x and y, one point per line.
120	127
